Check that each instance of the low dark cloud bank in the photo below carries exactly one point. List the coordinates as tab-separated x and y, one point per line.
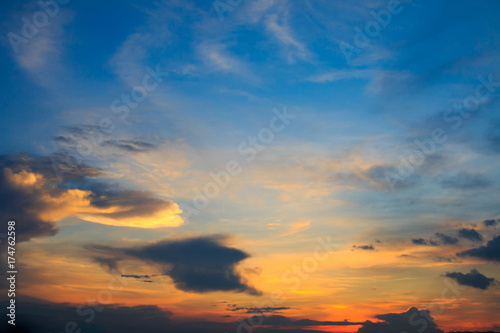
35	316
411	321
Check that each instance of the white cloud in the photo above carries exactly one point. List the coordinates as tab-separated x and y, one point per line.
338	75
281	31
41	55
216	55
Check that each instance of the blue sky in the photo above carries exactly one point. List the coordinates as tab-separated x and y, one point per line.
220	78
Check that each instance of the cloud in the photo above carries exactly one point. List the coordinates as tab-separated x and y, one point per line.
419	241
341	74
76	134
218	58
364	247
132	146
490	223
472	279
411	321
470	234
277	320
297	227
444	259
33	315
466	181
21	201
133	276
235	308
109	264
282	32
446	239
381	175
131	208
34	195
109	318
43	54
490	252
198	264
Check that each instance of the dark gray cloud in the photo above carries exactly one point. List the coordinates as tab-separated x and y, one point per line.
133	203
411	321
490	252
130	145
472	279
470	234
384	175
277	320
490	223
466	181
34	316
445	239
364	247
419	241
133	276
235	308
444	259
109	264
199	264
142	278
92	135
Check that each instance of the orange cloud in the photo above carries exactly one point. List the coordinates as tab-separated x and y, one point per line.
125	208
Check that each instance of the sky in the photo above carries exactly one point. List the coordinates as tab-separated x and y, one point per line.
250	165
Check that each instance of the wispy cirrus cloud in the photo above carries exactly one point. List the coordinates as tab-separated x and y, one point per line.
297	227
292	47
217	58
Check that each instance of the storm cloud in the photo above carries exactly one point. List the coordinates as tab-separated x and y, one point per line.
470	234
198	264
472	279
490	223
490	252
419	241
445	239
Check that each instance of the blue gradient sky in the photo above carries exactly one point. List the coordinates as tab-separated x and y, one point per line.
331	170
